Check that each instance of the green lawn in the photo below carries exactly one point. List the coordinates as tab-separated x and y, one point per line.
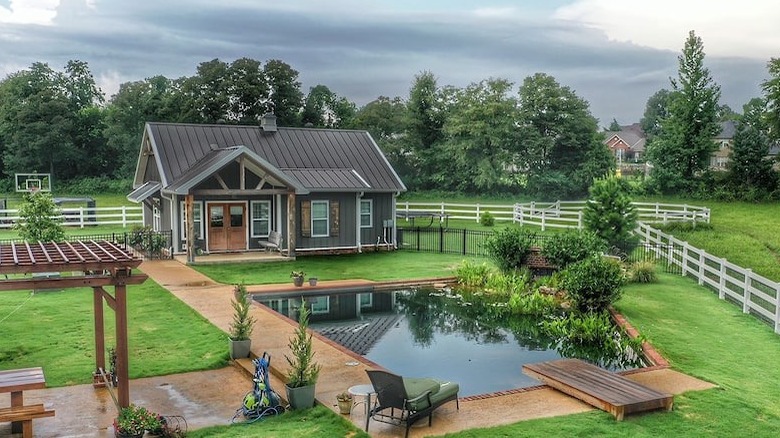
55	329
377	266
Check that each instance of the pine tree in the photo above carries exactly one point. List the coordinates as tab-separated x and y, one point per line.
682	149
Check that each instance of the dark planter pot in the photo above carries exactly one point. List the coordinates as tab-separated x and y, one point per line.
118	434
240	349
300	398
298	281
312	281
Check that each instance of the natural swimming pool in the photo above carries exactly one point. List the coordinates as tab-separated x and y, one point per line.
434	333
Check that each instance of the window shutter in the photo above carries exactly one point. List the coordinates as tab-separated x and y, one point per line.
306	218
334	218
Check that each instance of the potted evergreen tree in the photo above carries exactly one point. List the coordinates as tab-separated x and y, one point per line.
303	371
243	323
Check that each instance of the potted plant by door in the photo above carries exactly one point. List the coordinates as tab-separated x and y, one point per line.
243	323
303	371
297	277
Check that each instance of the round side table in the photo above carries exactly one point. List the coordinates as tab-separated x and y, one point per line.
364	392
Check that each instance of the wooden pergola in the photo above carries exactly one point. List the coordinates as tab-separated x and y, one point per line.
94	264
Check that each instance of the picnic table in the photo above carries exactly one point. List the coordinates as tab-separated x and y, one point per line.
21	416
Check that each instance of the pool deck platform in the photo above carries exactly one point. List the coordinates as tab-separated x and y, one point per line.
607	391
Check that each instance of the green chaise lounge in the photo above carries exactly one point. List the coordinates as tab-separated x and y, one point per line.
402	400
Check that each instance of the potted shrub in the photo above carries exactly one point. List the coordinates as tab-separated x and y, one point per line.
134	420
297	277
303	371
312	281
345	403
243	323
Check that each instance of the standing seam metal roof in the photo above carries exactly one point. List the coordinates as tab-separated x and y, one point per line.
181	147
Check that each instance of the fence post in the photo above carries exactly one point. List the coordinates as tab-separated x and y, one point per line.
533	208
441	218
700	274
464	241
544	215
746	295
521	214
477	218
579	220
684	258
722	285
777	309
124	216
418	238
441	239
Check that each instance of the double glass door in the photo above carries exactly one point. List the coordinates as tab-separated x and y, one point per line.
227	227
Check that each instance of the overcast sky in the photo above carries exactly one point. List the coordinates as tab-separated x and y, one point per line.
613	53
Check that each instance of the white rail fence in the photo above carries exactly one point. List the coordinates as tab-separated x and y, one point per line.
84	216
560	214
756	295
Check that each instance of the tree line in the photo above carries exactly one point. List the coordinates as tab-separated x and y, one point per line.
537	138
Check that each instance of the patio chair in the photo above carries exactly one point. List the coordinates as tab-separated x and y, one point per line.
402	400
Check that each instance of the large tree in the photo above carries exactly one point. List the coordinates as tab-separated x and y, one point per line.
482	136
772	93
749	167
50	121
656	110
427	111
682	149
286	95
562	149
325	109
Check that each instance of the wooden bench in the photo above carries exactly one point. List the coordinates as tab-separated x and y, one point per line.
25	415
274	242
607	391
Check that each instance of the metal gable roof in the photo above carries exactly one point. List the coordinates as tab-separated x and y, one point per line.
329	179
181	148
144	191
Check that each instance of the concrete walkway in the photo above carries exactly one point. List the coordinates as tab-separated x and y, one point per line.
207	405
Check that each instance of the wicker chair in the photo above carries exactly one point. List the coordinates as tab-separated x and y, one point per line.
404	401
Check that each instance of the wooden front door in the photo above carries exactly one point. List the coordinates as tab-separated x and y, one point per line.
227	227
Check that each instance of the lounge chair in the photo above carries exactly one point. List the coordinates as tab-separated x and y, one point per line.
402	400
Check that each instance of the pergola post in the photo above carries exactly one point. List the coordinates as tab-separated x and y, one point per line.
123	380
100	336
291	230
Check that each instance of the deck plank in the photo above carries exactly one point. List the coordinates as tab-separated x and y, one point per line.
607	391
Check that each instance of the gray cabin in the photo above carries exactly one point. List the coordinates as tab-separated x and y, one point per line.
321	190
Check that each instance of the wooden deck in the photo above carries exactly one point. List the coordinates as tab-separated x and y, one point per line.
607	391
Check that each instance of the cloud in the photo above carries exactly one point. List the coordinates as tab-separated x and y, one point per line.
40	12
747	28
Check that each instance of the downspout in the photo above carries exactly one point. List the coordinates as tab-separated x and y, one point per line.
395	216
359	244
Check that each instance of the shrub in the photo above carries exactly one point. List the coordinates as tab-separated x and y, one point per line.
534	303
97	185
509	247
472	275
643	272
609	213
39	219
563	249
593	284
487	219
509	283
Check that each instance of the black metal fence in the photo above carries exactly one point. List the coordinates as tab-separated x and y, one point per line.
472	243
150	244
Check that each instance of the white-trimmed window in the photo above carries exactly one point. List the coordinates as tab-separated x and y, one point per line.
197	218
320	305
366	300
156	219
366	213
320	220
261	218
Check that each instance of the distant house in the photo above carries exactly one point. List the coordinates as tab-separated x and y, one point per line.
628	144
725	141
320	189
